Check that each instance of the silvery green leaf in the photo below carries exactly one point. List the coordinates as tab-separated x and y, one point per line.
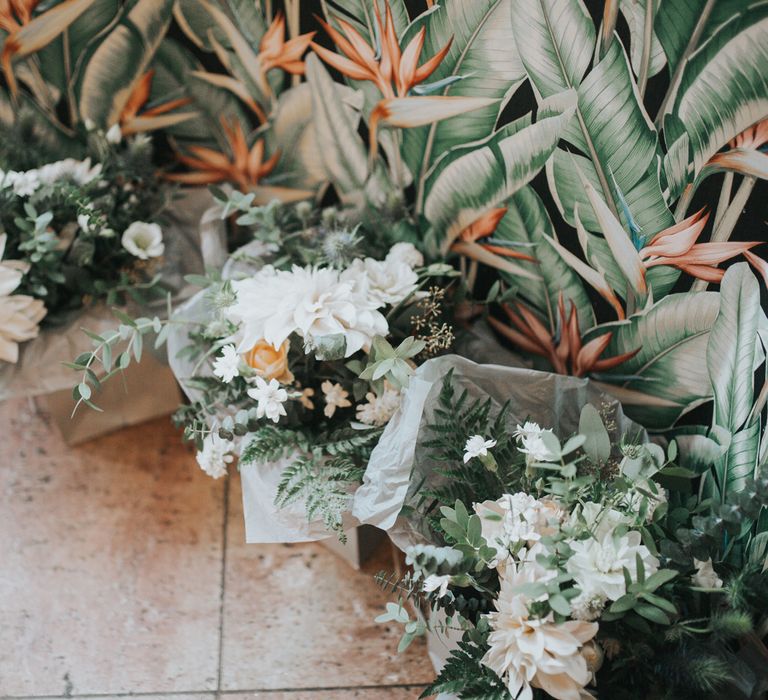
330	347
598	443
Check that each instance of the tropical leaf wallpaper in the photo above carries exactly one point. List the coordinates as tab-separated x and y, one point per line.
592	168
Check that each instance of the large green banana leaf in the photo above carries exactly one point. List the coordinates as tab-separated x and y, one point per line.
174	68
634	14
62	60
527	223
294	134
731	356
676	22
724	86
199	26
121	59
344	154
555	39
620	141
612	129
645	200
483	178
670	369
483	52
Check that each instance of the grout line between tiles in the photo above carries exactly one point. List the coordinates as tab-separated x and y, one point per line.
181	693
223	584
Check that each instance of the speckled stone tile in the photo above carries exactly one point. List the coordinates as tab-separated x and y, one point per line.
296	617
110	562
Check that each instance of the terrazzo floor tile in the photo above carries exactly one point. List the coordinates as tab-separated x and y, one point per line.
295	616
110	562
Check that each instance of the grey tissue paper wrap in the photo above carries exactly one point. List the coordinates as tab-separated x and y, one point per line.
188	247
397	466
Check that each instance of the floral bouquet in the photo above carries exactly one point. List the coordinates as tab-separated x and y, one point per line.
76	231
562	567
295	356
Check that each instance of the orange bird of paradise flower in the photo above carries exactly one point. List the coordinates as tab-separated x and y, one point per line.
483	227
246	166
131	121
395	72
27	34
14	14
745	154
676	246
276	52
566	352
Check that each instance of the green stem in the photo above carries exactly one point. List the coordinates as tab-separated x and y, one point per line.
607	193
647	42
729	219
610	15
684	202
725	198
725	227
692	44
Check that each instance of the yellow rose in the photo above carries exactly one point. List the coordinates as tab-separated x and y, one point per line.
270	363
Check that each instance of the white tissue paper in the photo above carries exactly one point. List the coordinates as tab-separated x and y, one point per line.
396	470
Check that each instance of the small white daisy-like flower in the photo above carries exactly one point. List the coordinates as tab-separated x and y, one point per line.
433	582
477	446
84	222
25	183
270	397
143	240
227	365
530	435
215	456
335	397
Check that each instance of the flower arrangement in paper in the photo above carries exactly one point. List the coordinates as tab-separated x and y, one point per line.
299	351
579	567
76	232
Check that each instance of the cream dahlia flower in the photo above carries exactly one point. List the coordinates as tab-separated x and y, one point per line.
598	566
312	302
529	652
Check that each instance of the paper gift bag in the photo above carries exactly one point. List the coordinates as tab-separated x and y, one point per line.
149	391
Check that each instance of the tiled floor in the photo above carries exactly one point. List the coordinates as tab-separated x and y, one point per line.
123	570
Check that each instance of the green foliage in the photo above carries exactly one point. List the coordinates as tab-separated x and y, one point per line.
323	468
456	417
463	674
69	233
391	364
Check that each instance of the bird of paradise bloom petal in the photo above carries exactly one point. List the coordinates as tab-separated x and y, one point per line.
752	138
276	52
131	122
419	110
27	35
245	166
14	14
745	155
485	226
676	246
395	72
566	353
